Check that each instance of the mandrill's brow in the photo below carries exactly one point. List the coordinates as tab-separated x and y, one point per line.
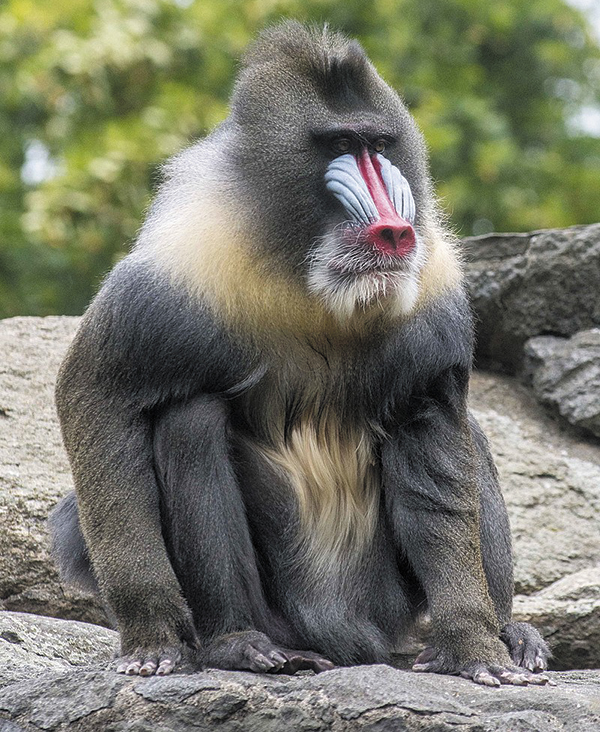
365	134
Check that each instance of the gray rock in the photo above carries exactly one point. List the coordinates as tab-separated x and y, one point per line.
87	698
33	645
565	376
525	285
60	699
550	481
6	726
34	471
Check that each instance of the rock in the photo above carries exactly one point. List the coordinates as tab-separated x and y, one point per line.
525	285
33	645
567	613
565	376
550	481
378	698
34	471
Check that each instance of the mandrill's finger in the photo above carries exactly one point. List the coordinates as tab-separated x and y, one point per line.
433	667
278	659
261	663
149	667
318	665
133	669
482	676
510	677
165	667
305	661
540	680
540	663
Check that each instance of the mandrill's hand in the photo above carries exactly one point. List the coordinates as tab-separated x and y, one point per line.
489	673
526	646
147	661
157	648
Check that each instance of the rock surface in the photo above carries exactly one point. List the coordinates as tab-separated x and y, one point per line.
34	645
550	480
525	285
34	471
565	376
87	698
551	483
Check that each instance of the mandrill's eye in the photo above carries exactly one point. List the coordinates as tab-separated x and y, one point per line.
341	145
379	146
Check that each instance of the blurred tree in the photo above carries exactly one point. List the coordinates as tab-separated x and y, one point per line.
94	94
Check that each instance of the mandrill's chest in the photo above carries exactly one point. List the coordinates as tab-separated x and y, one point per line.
307	421
310	388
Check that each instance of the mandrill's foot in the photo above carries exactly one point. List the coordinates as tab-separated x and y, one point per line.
489	674
253	651
147	662
526	646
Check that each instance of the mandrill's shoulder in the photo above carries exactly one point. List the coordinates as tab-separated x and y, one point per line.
435	341
146	337
439	331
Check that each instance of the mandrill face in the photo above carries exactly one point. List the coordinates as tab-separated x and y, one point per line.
376	196
375	252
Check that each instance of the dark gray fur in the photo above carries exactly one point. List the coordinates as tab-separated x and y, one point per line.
191	534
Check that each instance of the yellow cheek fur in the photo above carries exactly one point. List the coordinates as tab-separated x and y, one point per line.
221	263
442	271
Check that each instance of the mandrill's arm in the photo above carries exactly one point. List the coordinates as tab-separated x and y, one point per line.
109	443
142	344
432	493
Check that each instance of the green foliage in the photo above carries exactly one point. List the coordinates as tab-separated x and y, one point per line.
109	88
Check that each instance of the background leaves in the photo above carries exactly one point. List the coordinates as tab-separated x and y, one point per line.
94	94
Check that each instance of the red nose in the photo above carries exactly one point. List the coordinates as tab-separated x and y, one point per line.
391	235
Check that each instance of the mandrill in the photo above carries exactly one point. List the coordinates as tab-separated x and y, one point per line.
265	406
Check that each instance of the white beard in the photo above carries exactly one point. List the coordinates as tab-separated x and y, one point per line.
347	278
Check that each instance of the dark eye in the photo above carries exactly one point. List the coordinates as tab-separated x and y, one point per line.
379	146
341	145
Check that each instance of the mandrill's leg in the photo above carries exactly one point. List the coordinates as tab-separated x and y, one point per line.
208	540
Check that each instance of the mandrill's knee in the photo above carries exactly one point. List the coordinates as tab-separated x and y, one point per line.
183	423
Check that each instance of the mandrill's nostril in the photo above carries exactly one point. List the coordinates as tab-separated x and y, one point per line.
388	235
405	238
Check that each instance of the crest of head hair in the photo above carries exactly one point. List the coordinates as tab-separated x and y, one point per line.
337	64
